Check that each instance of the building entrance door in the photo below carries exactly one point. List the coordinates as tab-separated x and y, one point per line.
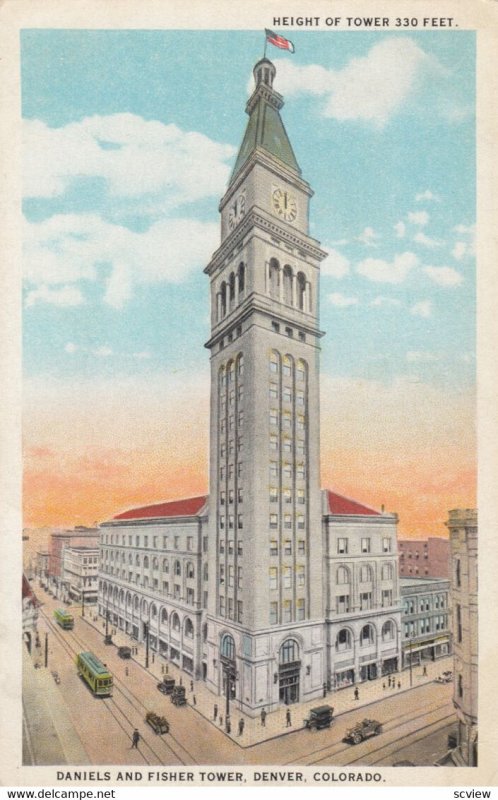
289	683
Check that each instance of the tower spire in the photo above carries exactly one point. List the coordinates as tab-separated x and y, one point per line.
265	129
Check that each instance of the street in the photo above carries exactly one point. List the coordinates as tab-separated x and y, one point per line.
415	721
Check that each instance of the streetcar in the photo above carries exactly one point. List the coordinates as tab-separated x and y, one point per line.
95	674
64	618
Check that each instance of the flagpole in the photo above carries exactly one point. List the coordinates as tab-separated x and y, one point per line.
266	42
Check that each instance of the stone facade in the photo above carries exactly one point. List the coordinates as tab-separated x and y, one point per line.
426	619
462	525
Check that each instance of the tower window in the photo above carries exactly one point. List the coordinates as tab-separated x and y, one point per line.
302	336
289	332
276	327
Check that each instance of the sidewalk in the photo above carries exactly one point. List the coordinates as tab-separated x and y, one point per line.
254	732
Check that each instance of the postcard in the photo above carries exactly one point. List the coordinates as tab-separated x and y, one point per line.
250	436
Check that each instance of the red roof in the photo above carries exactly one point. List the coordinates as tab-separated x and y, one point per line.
343	505
27	591
189	507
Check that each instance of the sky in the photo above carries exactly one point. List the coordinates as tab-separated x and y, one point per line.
129	142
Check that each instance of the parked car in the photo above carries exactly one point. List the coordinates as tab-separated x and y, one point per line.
124	652
363	730
320	717
166	686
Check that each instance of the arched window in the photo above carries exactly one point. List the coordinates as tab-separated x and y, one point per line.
136	603
301	291
240	365
387	572
287	366
178	568
274	362
301	370
274	279
231	285
145	606
367	636
146	562
365	573
190	570
130	558
388	631
343	640
155	563
153	610
228	647
289	651
165	565
223	299
137	560
205	572
343	575
128	599
175	622
287	285
242	279
458	574
189	628
204	632
121	597
164	616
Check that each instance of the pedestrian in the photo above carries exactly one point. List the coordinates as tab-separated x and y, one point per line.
153	657
389	681
166	669
356	694
215	712
221	721
135	738
194	700
288	721
324	690
191	686
181	681
228	726
241	726
399	684
162	669
424	671
263	717
384	685
126	671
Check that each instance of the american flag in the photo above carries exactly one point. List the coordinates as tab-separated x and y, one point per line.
279	41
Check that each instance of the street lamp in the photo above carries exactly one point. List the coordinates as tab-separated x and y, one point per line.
107	637
230	676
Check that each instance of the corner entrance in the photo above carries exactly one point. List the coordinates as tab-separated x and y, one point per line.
289	672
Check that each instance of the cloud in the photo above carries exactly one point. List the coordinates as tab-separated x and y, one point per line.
335	265
134	157
422	357
70	347
418	217
421	238
62	296
427	196
368	237
376	269
103	352
69	248
371	88
400	229
422	309
444	276
459	250
341	300
385	301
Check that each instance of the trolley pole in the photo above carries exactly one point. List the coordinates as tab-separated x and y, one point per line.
46	650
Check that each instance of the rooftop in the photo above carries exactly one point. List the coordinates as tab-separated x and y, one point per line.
339	505
188	507
418	581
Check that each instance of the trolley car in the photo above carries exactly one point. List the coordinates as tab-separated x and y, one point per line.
64	618
95	674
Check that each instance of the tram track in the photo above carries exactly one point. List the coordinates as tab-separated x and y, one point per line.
335	749
127	694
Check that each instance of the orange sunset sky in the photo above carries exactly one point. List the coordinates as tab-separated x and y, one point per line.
95	449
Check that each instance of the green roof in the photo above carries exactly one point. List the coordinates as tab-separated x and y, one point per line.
265	128
94	663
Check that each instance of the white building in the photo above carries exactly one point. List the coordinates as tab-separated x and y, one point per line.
79	574
241	590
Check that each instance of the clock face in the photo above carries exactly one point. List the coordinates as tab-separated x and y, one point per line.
285	204
236	211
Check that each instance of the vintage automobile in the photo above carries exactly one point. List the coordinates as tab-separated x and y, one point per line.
363	730
177	696
124	652
320	717
167	685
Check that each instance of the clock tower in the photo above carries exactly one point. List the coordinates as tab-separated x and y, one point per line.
265	626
